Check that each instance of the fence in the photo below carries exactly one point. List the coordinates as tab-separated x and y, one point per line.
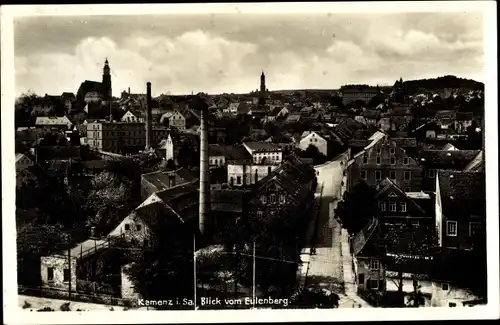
57	293
97	288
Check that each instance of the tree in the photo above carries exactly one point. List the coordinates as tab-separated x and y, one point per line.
272	130
108	201
356	208
23	108
163	269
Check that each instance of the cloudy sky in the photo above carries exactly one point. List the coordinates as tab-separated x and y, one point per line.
226	52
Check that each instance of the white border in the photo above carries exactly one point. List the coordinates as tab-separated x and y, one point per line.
14	314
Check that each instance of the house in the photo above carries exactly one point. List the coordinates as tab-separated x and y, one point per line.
235	109
286	143
381	267
460	208
434	160
381	159
175	141
133	116
396	207
53	122
293	118
177	120
313	138
24	175
162	180
371	116
353	93
272	115
463	121
217	154
249	163
445	119
289	189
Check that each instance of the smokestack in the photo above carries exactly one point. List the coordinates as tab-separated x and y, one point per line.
129	90
204	181
149	117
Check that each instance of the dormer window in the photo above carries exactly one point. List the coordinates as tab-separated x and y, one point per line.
365	159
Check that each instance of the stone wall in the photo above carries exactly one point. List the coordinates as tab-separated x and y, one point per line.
58	263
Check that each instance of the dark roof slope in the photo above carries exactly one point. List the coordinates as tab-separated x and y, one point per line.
462	193
452	159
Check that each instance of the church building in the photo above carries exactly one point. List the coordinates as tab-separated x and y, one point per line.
93	91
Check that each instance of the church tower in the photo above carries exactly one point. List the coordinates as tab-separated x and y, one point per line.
106	81
262	83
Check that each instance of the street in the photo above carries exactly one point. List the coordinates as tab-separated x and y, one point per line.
331	266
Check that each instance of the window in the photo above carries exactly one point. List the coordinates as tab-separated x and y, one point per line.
403	206
393	175
452	304
374	264
407	176
381	205
127	226
451	228
66	275
365	159
361	278
138	227
445	287
393	151
431	173
378	160
378	175
407	189
260	214
405	161
392	206
415	224
282	198
393	161
268	170
379	150
363	174
474	227
232	180
238	179
373	284
50	274
263	199
272	198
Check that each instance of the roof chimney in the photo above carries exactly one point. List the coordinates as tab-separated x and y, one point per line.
149	116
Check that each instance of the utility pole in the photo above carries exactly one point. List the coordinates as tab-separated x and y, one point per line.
69	265
194	269
253	300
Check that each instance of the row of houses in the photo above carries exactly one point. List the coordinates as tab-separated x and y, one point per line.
418	192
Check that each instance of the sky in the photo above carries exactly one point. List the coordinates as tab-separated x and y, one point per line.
224	53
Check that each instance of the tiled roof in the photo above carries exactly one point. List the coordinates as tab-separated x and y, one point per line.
228	200
405	142
238	153
262	146
219	150
477	164
280	139
447	159
462	193
291	175
158	181
52	120
361	238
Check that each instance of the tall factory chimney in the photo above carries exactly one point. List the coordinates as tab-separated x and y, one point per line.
201	106
149	117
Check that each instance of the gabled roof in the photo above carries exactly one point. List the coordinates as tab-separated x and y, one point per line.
262	146
462	193
158	181
362	237
455	159
387	184
52	120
